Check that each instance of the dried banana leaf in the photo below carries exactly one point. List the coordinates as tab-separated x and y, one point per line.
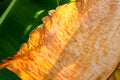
78	41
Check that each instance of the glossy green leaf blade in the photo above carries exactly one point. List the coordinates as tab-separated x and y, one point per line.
3	5
60	2
19	21
6	74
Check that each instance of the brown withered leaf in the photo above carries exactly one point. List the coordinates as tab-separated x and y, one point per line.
78	41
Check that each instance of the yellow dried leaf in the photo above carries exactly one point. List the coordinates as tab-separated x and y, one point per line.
77	41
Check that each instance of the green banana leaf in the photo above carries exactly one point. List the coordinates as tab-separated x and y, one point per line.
17	19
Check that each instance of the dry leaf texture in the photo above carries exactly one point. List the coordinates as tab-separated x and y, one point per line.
77	41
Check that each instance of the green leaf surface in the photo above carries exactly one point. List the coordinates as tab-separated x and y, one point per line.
5	74
18	20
